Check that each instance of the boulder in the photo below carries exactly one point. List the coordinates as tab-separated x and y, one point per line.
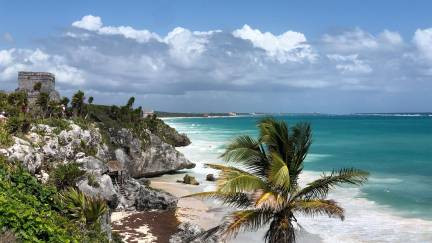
153	159
190	180
210	177
105	189
92	164
186	233
149	198
181	140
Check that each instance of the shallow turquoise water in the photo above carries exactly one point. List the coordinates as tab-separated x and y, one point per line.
396	150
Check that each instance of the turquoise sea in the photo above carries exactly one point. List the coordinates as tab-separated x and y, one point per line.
394	206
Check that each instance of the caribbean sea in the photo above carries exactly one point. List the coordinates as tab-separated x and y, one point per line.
396	203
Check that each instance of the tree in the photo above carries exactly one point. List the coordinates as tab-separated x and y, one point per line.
90	100
267	191
42	101
130	102
65	101
37	86
78	103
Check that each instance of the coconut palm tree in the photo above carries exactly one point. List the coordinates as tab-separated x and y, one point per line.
262	181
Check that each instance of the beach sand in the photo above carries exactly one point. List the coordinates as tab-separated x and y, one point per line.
150	227
207	213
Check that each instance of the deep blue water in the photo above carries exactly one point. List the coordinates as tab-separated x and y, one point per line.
396	150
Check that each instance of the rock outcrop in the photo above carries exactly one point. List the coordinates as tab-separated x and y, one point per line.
210	177
145	160
45	147
190	180
188	232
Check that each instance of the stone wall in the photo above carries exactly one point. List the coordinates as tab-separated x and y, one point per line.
27	80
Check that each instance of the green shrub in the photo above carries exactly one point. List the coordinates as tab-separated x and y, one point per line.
58	123
92	180
88	149
27	208
6	139
18	124
66	175
82	208
81	122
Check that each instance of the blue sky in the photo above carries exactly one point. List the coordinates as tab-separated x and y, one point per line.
318	56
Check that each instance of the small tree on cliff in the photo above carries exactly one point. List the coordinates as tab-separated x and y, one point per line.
130	102
78	103
37	86
42	102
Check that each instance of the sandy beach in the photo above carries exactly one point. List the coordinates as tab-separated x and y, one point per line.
149	227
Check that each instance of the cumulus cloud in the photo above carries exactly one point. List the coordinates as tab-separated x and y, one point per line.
358	39
187	68
289	46
350	64
94	23
423	41
89	22
14	60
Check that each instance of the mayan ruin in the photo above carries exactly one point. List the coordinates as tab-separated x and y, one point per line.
28	80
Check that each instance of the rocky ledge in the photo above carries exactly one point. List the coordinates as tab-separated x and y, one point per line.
145	160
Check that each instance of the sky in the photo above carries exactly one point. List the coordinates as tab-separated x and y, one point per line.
219	56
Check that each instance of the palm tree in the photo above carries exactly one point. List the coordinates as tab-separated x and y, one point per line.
78	103
265	187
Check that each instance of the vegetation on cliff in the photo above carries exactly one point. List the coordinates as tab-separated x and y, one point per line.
57	211
34	212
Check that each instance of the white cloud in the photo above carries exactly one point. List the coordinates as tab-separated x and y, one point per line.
14	60
393	38
423	41
289	46
89	22
186	45
360	40
350	64
126	61
94	23
6	57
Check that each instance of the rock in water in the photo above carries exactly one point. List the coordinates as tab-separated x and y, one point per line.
187	179
210	177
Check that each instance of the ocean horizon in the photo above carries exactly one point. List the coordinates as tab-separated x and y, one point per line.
393	206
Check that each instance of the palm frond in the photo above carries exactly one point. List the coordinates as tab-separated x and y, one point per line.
301	137
246	220
320	187
234	180
275	135
269	199
279	174
249	152
319	207
239	200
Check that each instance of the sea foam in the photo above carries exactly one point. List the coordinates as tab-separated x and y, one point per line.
365	221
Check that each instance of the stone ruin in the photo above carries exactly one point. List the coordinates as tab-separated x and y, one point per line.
27	81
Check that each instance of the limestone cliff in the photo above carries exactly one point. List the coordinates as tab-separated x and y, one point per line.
44	147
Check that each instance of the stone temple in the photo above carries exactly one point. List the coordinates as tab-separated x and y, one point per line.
27	81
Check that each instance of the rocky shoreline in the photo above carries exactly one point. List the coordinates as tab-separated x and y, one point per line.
46	146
